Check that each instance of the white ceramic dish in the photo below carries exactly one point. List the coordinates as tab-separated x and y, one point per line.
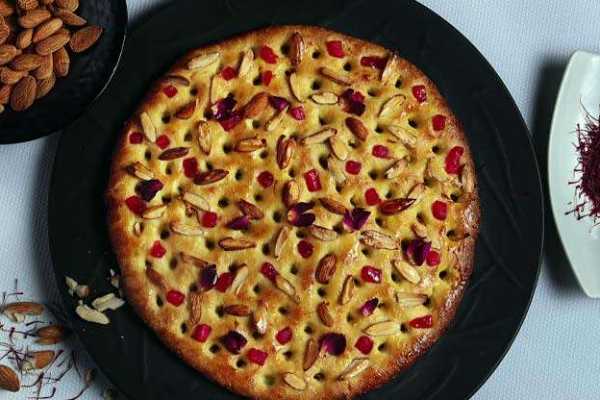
579	93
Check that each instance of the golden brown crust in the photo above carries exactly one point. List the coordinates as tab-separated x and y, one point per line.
390	355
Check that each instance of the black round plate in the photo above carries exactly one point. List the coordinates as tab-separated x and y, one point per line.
89	74
508	251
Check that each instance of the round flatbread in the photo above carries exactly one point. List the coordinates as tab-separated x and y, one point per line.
294	212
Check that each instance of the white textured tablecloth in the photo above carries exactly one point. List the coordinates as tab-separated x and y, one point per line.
557	352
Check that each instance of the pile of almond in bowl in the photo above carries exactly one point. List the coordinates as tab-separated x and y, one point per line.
35	39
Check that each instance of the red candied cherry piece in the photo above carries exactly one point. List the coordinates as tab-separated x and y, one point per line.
136	204
371	274
420	93
231	122
269	271
228	73
335	48
381	151
369	307
265	179
201	333
305	248
423	322
175	297
190	167
453	160
439	209
157	250
364	344
170	91
209	219
297	113
224	281
353	167
432	258
438	122
266	77
136	137
313	183
257	356
284	335
163	141
373	62
371	197
267	54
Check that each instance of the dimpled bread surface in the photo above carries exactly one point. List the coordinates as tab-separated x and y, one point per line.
415	300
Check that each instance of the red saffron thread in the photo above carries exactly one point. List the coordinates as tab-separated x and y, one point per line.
586	199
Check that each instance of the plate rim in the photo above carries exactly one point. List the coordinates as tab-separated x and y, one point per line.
531	148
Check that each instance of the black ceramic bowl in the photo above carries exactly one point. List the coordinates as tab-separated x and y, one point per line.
89	75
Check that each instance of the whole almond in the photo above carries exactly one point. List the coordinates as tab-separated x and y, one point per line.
249	145
41	359
70	5
238	310
45	69
357	128
156	278
187	110
5	91
51	334
6	8
246	63
47	29
27	5
296	86
333	75
206	178
7	53
173	153
10	76
322	233
16	311
85	38
9	379
192	260
52	43
333	206
285	151
249	209
26	62
291	193
319	137
379	240
70	18
326	268
256	105
338	148
24	38
23	94
44	86
296	49
33	18
311	352
61	62
4	31
355	367
347	290
280	240
324	314
294	381
231	244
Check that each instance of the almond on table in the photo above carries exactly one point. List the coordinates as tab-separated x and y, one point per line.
301	209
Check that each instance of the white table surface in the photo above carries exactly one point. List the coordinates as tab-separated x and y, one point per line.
557	352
